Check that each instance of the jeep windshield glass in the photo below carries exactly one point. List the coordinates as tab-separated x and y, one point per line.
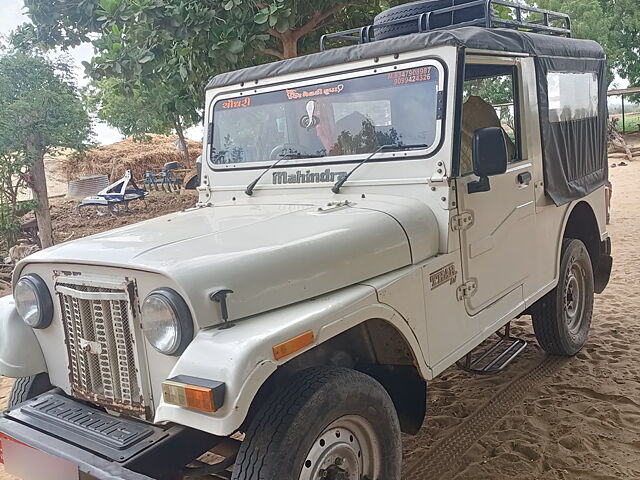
353	116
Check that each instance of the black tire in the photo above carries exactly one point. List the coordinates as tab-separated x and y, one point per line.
562	318
291	425
25	388
412	9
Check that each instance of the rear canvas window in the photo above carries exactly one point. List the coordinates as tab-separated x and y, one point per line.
572	96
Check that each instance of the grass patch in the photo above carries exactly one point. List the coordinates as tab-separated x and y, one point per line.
631	122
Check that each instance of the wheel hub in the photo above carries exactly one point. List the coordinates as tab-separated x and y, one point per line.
346	450
573	297
335	473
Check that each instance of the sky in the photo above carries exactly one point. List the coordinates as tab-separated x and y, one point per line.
12	15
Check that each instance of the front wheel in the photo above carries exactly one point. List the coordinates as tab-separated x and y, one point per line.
329	423
562	318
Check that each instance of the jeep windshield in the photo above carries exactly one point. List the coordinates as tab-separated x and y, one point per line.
331	118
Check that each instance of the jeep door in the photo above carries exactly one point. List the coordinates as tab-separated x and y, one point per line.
497	243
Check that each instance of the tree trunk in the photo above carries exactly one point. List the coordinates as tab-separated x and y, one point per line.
289	44
183	142
35	152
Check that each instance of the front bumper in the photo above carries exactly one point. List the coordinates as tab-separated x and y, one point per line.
100	446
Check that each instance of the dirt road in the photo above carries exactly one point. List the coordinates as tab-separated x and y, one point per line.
543	418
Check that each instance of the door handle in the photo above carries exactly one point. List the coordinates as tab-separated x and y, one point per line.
524	178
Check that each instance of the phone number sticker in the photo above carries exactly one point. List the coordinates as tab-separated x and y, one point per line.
414	75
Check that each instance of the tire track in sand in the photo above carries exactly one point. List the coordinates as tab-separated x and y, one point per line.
443	459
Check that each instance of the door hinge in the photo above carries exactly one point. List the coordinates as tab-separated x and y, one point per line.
467	289
439	175
462	221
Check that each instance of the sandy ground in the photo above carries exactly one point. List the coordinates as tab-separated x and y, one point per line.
545	418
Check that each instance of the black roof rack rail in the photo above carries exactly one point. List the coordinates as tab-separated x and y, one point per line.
545	21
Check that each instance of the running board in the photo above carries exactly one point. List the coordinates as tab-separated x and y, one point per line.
496	357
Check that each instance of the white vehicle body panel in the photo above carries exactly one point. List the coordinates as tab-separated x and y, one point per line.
21	355
302	251
244	359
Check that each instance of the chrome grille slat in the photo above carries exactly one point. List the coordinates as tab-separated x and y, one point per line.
72	342
98	328
103	359
121	350
79	333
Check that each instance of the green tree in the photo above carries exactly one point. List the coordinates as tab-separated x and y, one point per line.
625	15
593	20
140	110
296	26
134	113
40	109
172	47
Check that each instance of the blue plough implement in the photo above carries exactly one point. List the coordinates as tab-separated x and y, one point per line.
116	195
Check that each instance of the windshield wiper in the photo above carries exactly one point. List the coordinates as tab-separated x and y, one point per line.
393	147
252	185
283	156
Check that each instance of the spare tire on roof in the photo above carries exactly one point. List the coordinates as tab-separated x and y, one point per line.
408	10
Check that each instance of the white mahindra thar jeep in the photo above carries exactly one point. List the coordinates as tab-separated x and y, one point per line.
367	216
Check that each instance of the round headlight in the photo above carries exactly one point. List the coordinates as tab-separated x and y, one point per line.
166	321
33	301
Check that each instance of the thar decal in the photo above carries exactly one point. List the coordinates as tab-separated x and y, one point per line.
443	275
280	178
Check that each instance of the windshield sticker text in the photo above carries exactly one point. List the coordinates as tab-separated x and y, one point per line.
414	75
293	94
443	275
281	178
236	103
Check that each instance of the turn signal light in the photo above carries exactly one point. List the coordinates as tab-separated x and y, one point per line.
194	393
293	345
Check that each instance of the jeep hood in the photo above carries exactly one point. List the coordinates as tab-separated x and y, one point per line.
269	255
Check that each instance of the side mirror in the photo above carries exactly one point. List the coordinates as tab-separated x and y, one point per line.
489	152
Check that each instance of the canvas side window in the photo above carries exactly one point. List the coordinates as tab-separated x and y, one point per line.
572	96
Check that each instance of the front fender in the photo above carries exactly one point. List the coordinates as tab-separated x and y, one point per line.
20	352
242	356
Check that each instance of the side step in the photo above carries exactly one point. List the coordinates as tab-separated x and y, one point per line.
496	357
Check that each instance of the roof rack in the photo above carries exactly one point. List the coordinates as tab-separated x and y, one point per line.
521	17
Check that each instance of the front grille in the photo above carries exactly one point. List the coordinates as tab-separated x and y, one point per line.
98	325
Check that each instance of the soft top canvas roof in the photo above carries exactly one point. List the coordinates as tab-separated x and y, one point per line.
496	39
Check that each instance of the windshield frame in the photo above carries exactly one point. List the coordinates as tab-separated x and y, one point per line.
405	154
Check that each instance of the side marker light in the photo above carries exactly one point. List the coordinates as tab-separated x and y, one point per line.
293	345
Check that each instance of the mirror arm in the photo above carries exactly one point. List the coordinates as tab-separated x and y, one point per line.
481	185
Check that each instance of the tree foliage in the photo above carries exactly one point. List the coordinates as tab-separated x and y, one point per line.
40	109
170	48
593	20
625	33
135	113
39	102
